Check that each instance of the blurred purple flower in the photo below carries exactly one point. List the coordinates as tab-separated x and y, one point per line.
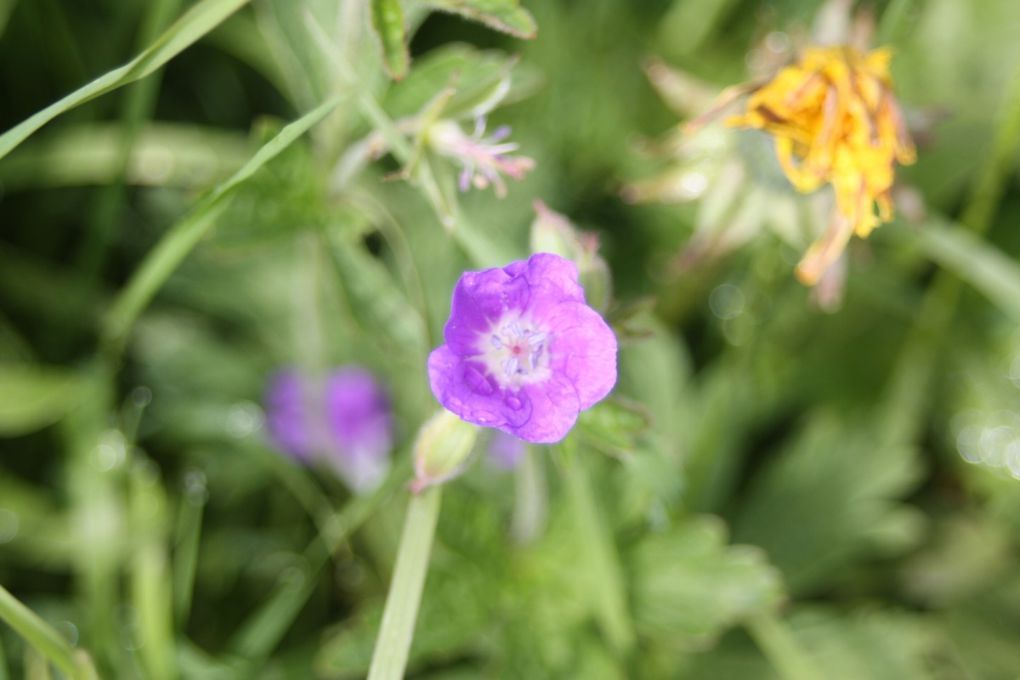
344	420
506	451
524	353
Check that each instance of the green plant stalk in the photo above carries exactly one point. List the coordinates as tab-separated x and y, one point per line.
189	534
171	250
98	513
907	394
39	634
150	582
893	20
530	498
138	104
393	644
781	648
6	7
266	627
599	553
36	666
478	248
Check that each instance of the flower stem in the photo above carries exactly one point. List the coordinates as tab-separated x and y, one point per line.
530	498
393	644
782	649
598	553
39	634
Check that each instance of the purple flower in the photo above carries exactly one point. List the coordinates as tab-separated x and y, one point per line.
343	420
483	159
523	353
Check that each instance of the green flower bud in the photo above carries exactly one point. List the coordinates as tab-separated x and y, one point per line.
442	449
551	232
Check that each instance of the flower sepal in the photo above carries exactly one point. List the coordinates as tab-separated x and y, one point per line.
442	450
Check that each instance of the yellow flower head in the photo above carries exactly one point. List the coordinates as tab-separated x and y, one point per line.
835	121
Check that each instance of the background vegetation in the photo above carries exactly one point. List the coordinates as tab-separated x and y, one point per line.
812	490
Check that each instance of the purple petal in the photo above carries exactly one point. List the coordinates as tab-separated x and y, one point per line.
464	389
479	300
553	278
583	348
541	402
286	403
500	133
554	410
358	413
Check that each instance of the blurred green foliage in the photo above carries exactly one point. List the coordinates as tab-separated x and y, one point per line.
780	489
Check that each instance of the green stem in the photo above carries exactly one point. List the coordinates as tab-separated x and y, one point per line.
39	634
893	19
175	245
530	498
267	626
987	191
393	644
189	535
909	390
782	649
138	103
599	553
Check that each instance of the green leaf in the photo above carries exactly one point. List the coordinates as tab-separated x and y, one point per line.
615	425
34	396
503	15
195	23
830	500
375	297
6	7
163	154
876	644
480	79
389	25
983	266
689	585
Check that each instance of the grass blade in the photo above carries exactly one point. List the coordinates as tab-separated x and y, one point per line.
187	30
43	639
981	265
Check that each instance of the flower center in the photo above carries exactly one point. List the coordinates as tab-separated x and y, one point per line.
515	352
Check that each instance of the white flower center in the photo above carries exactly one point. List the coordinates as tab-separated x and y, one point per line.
515	351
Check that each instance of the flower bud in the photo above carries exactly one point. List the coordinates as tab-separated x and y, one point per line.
443	446
553	233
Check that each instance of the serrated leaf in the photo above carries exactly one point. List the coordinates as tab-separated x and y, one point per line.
503	15
34	396
391	29
615	425
689	585
881	645
830	500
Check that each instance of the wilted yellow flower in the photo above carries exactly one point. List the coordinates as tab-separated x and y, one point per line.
835	121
